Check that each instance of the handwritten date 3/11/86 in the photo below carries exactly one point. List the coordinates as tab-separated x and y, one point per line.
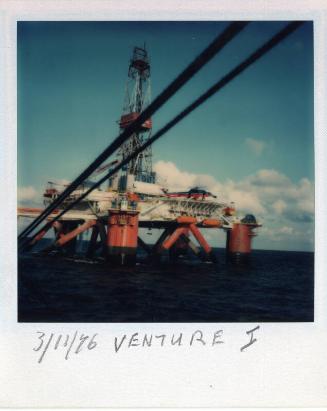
73	344
69	343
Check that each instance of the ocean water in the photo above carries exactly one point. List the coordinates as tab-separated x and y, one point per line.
275	286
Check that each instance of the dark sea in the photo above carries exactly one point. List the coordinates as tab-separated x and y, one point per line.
274	286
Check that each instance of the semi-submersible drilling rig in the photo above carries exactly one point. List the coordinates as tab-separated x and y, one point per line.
133	198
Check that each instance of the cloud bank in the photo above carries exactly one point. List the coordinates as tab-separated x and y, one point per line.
25	194
286	208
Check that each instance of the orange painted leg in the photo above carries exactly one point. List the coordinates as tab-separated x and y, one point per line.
169	242
39	236
239	242
191	245
74	233
181	246
157	246
122	237
202	241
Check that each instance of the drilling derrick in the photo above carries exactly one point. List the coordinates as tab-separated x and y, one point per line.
137	98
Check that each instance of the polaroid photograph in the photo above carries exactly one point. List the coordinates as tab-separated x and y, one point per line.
164	191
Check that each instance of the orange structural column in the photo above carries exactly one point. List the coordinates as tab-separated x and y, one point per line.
177	241
181	246
170	241
202	241
122	236
238	244
40	235
65	238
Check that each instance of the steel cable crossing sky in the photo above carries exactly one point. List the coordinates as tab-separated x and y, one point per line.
276	39
203	58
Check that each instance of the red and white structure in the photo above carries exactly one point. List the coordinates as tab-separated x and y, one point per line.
133	200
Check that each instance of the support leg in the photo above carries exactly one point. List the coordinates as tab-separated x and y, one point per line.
192	246
157	247
122	237
170	241
65	238
68	227
238	243
202	241
180	248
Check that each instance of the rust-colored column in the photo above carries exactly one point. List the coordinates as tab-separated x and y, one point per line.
37	238
202	241
191	245
69	227
156	249
122	236
180	247
65	238
238	242
178	242
40	235
171	240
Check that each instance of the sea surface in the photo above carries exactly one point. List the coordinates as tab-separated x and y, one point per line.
275	286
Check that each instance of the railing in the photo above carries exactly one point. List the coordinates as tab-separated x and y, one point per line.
194	208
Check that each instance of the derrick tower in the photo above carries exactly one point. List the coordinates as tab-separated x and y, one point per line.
137	98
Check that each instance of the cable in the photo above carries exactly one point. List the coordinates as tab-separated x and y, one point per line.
280	36
220	41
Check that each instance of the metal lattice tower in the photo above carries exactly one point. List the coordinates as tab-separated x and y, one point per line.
137	98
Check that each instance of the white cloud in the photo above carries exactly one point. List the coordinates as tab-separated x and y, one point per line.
268	178
286	208
255	146
172	177
61	181
246	200
286	230
266	191
176	180
279	206
291	233
27	194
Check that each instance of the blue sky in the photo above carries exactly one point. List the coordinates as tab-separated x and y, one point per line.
252	142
